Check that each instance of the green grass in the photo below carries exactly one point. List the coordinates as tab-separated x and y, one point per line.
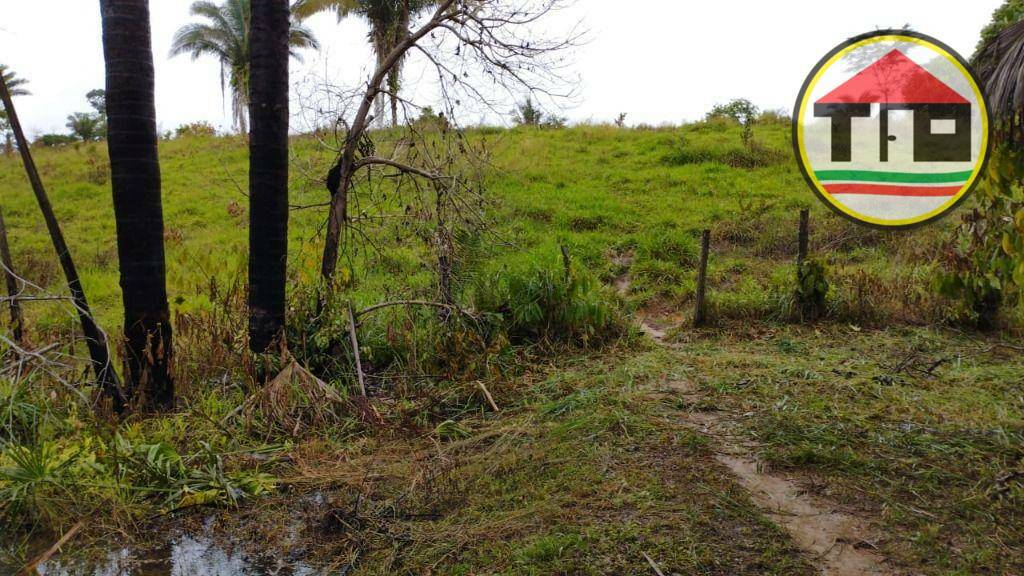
586	467
921	428
599	190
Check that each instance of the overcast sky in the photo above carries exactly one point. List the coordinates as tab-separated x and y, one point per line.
656	60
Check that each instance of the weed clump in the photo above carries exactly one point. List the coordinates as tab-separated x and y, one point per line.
734	155
675	246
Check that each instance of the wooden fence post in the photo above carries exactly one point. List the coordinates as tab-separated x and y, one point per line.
803	237
699	314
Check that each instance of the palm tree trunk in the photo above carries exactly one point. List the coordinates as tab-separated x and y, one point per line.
12	282
99	355
135	178
268	172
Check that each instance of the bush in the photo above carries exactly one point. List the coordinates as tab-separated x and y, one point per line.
97	166
674	246
528	114
195	129
751	155
742	111
984	259
754	155
545	303
779	117
811	289
714	124
55	140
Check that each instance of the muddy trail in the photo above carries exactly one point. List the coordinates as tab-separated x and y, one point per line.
838	542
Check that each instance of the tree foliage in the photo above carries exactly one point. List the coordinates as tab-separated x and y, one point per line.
742	111
225	36
389	22
90	126
1011	12
98	100
16	86
527	113
86	126
984	260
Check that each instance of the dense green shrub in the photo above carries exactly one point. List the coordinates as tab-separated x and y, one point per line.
669	245
195	129
54	140
752	155
545	303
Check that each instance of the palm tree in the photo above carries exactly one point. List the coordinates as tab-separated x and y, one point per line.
226	37
15	86
998	62
268	172
389	25
138	213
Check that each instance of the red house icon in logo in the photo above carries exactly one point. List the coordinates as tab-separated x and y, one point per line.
895	82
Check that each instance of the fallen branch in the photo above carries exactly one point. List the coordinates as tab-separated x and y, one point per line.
30	568
654	566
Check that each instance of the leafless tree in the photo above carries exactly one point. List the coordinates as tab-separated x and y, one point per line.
484	53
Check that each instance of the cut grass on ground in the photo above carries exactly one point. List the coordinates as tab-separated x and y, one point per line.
922	429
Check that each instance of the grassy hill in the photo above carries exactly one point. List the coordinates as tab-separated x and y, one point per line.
592	459
600	190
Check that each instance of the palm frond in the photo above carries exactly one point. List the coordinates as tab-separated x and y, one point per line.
225	36
201	40
303	9
14	84
301	37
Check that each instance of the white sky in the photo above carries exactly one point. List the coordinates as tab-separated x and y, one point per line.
657	60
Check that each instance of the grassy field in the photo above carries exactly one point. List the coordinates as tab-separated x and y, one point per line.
884	406
600	190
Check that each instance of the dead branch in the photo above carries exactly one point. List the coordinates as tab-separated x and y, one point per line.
428	303
469	43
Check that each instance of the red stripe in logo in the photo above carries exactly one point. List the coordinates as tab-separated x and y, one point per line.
890	190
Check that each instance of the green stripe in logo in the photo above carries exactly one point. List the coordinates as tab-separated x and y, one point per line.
897	177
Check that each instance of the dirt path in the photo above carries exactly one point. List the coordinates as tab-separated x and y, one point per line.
839	543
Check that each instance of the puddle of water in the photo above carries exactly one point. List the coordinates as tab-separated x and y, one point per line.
185	555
